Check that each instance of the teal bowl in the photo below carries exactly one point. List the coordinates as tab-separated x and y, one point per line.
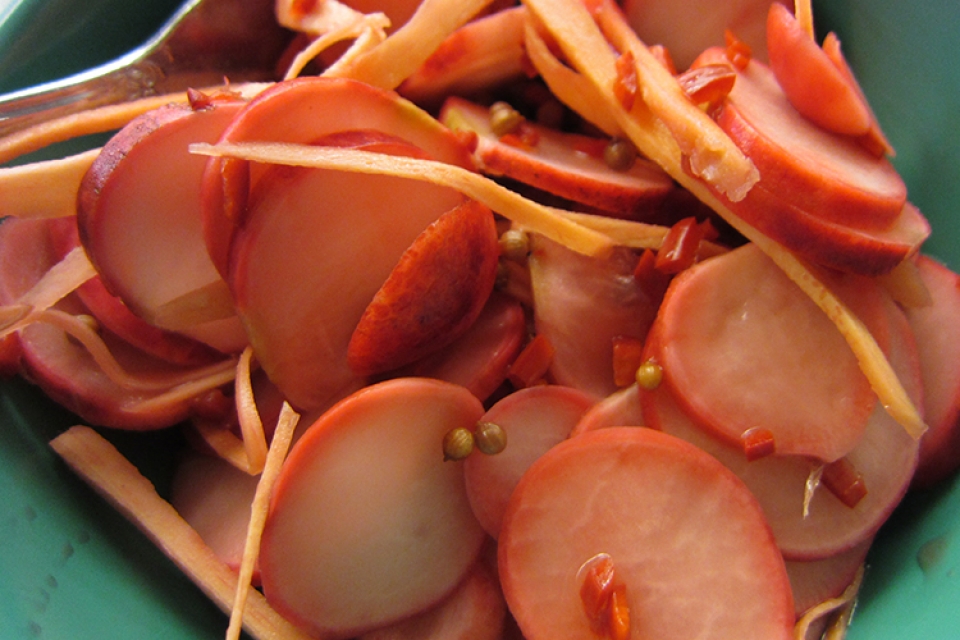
72	568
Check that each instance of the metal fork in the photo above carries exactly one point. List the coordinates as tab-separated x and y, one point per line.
201	44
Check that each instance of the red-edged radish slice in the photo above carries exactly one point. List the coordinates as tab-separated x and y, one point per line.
214	498
824	174
581	304
938	340
368	524
313	250
113	314
810	80
534	419
886	456
687	28
138	213
62	367
620	409
478	56
474	611
480	359
685	536
303	111
742	347
568	165
816	581
433	295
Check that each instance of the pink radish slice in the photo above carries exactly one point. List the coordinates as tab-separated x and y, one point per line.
480	55
829	176
61	367
687	28
743	347
139	214
303	111
479	360
434	293
214	498
685	536
313	251
810	80
885	455
534	419
816	581
581	304
113	314
565	164
620	409
474	611
368	525
936	331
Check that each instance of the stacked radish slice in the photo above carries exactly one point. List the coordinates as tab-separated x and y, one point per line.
642	375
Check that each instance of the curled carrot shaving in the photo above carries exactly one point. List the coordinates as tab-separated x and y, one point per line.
841	607
227	446
525	213
251	426
367	31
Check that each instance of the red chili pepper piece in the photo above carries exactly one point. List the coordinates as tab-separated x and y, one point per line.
758	443
844	481
627	358
738	52
709	84
625	87
679	248
532	363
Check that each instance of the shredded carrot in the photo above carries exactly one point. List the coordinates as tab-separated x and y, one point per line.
46	189
210	302
60	280
526	213
251	426
99	464
227	446
841	606
367	30
279	445
803	10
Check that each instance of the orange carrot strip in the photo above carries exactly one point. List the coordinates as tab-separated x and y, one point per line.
279	445
804	12
226	445
45	189
254	440
99	464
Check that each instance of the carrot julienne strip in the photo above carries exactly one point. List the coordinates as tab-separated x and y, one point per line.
526	213
227	446
279	445
46	189
368	30
105	469
804	12
842	604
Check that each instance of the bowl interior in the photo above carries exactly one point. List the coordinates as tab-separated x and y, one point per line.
73	568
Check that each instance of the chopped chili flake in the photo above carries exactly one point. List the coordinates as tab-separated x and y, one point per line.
738	52
679	248
708	85
844	481
627	358
626	85
651	281
618	614
604	598
758	443
532	363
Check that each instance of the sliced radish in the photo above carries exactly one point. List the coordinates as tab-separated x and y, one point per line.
305	110
816	581
433	295
938	340
215	498
581	304
534	419
478	56
313	250
685	537
568	165
474	611
810	80
480	359
620	409
139	214
885	456
687	28
368	524
743	347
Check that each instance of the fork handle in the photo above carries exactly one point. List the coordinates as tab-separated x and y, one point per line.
108	84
